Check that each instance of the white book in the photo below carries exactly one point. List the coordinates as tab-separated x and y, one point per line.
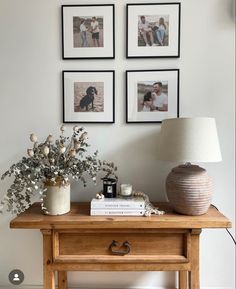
100	212
118	203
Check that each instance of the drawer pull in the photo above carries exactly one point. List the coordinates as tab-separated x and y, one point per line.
126	248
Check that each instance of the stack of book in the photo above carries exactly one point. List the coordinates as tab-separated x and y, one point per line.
117	207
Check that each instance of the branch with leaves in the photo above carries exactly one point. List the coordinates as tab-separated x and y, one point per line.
57	162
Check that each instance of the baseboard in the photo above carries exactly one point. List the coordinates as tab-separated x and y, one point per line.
76	287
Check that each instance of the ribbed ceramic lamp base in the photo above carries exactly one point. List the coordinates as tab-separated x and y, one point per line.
189	189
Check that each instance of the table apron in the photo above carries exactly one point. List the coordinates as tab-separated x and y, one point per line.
119	267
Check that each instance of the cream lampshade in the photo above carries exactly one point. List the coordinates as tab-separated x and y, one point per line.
185	140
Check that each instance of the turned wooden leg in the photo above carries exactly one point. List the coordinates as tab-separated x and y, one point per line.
48	274
183	280
62	280
194	274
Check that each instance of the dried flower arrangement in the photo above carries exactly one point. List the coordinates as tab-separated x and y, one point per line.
55	162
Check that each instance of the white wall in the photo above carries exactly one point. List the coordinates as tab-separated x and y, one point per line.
31	101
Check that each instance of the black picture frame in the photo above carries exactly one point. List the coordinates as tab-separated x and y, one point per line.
71	57
128	121
177	53
64	94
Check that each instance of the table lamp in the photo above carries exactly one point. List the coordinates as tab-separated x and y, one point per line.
189	140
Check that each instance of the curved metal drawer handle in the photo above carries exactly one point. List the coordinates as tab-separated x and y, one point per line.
126	245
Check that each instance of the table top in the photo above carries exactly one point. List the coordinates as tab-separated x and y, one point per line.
79	217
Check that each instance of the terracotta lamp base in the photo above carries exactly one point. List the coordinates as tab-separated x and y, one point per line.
189	189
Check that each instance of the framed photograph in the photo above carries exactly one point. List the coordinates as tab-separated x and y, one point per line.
88	31
153	30
152	95
88	96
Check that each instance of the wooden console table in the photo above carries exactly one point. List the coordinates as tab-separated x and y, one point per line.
80	242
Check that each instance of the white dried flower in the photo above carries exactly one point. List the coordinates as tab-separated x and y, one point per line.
83	136
30	152
50	139
33	137
72	153
62	150
77	145
62	128
45	150
36	144
75	128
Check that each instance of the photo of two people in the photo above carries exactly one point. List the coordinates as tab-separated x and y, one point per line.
153	30
88	31
152	96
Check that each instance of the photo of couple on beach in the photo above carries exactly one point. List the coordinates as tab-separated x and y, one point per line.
153	30
152	96
88	31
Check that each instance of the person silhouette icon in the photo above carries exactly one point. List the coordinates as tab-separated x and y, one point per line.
16	277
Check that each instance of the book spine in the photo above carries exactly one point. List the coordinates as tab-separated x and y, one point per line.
101	212
131	205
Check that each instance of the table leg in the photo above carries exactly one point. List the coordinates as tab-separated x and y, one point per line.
183	280
62	280
48	273
194	274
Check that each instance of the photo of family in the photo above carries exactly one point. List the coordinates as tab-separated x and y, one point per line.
152	96
153	30
88	31
88	96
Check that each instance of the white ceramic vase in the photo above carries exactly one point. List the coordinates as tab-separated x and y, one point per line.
57	199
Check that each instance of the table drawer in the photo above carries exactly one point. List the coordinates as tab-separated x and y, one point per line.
136	246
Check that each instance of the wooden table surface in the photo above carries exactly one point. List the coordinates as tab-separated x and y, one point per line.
79	217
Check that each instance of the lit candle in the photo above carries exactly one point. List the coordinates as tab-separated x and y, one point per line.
126	190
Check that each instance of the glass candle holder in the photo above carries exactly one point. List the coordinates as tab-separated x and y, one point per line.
126	190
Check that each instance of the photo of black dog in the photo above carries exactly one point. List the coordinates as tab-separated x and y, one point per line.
88	99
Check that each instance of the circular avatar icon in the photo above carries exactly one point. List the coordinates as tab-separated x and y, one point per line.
16	277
